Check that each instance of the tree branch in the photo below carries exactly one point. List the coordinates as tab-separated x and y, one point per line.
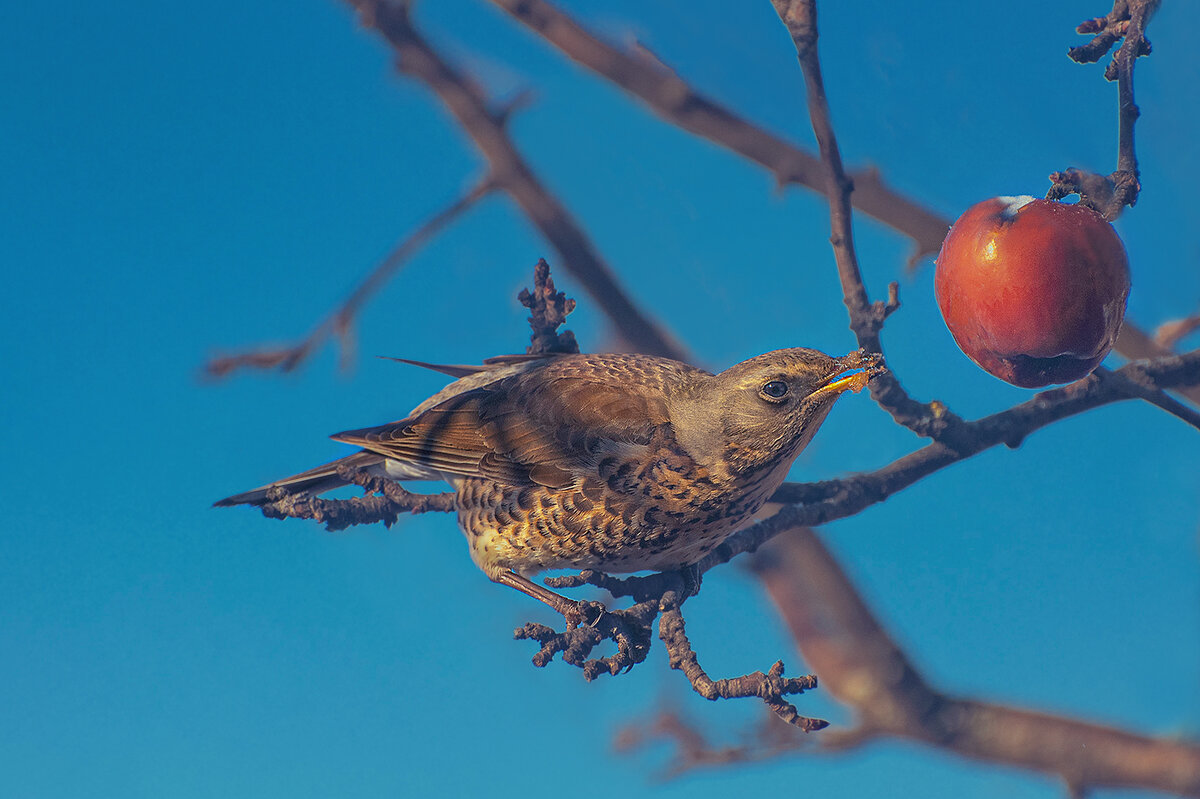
1137	346
771	687
387	500
1171	333
1127	20
866	319
486	129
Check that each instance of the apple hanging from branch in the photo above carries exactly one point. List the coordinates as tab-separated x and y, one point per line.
1033	290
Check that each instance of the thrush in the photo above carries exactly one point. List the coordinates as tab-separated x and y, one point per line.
612	462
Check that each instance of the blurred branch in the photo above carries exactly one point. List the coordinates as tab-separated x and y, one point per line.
862	666
509	171
1171	333
681	105
338	324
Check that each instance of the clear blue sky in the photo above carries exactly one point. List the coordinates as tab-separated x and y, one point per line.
181	180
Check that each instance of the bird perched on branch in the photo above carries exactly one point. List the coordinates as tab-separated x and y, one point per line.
617	463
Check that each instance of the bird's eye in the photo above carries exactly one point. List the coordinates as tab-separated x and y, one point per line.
775	389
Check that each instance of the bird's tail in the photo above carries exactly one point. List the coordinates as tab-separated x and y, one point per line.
314	481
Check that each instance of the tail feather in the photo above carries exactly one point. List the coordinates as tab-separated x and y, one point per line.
314	481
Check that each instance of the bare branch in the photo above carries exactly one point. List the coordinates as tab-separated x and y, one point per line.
866	318
629	628
548	309
1136	386
692	748
387	501
339	323
1171	333
862	666
771	687
465	101
1127	20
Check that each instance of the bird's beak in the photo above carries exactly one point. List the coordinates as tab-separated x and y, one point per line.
854	372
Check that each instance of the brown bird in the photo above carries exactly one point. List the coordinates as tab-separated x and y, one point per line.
617	463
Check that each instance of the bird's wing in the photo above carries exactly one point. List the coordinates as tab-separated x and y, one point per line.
547	427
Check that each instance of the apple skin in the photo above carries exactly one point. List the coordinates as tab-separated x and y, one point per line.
1033	290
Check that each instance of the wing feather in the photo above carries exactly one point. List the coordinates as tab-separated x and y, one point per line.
548	425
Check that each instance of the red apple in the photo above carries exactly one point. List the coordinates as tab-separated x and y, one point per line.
1033	290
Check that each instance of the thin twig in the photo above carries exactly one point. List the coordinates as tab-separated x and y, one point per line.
339	322
771	687
1112	194
548	309
866	318
386	501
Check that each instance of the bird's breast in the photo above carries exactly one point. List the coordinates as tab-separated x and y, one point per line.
626	515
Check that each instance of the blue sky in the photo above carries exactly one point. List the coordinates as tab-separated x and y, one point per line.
182	181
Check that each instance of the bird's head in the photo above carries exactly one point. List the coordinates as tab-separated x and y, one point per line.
765	410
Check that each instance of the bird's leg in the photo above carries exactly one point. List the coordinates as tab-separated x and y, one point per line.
572	610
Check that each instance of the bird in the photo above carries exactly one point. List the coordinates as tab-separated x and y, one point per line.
616	462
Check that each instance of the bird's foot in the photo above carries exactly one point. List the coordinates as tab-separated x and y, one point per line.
576	612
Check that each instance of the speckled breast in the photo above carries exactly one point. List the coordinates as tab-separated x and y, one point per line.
630	516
